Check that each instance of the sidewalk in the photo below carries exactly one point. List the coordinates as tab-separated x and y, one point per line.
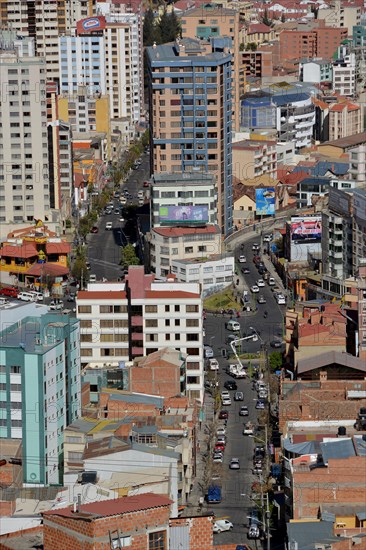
273	273
202	447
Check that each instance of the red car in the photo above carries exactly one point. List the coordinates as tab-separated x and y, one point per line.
94	229
11	291
223	415
146	184
219	447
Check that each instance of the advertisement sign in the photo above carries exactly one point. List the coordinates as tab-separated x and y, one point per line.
306	229
265	199
183	214
90	25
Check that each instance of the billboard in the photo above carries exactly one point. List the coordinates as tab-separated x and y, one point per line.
183	214
90	25
265	199
306	229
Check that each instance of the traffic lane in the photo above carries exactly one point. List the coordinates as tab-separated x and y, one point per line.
104	249
236	483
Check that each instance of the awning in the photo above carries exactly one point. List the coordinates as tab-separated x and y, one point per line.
58	248
26	250
55	270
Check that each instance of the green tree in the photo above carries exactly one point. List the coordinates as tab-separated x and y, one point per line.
128	256
251	46
79	269
265	19
169	27
149	29
275	360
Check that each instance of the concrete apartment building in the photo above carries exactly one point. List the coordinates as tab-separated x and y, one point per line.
190	90
190	189
254	64
41	20
107	61
176	243
39	386
253	158
210	21
344	74
122	321
320	42
361	290
341	14
355	147
24	177
214	273
344	119
359	228
85	112
315	70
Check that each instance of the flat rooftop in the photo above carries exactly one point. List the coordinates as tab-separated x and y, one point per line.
186	178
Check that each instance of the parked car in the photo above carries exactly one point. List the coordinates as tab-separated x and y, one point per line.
146	184
221	439
271	281
219	447
239	396
260	283
242	259
230	385
213	364
254	289
277	344
223	415
245	270
253	532
221	430
268	238
208	351
94	229
56	306
234	464
222	525
218	458
281	300
263	394
248	429
71	297
226	402
261	299
255	247
244	411
10	291
260	404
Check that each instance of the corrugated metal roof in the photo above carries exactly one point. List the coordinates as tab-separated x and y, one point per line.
113	507
338	448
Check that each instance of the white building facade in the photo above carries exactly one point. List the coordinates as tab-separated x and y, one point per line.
121	321
214	274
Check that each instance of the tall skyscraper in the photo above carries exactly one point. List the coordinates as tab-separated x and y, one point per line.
24	178
190	95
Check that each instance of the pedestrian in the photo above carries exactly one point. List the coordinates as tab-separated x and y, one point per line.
222	312
237	282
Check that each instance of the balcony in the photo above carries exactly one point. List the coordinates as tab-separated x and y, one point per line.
137	336
137	351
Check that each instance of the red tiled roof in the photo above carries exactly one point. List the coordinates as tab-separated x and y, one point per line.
341	106
27	250
115	507
169	294
47	268
260	27
58	248
101	295
179	231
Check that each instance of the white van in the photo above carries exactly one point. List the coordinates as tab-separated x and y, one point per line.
26	296
38	296
233	325
281	300
92	278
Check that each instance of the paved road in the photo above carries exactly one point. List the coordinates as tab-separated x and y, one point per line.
104	248
234	506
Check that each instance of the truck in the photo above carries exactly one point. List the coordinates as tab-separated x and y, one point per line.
214	494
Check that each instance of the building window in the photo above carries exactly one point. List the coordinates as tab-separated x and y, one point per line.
106	309
151	309
192	308
151	323
86	352
85	324
157	540
167	309
84	309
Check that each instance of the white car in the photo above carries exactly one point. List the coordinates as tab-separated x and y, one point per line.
248	429
221	430
56	306
271	281
109	226
254	289
281	300
213	364
260	283
140	194
267	238
225	394
242	259
222	525
234	464
233	325
217	458
226	402
255	247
